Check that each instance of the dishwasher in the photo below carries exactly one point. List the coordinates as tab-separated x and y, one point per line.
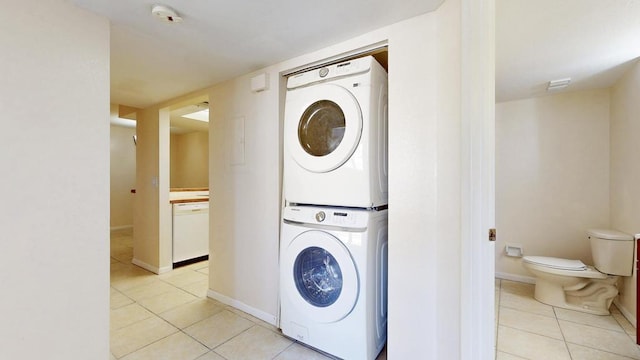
190	232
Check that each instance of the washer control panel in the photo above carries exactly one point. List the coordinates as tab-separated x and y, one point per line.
346	218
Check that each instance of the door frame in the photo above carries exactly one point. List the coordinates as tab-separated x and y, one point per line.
478	332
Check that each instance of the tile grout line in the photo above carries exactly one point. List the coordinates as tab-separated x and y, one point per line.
179	330
564	339
212	349
591	326
157	315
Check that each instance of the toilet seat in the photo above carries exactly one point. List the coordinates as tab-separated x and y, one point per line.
556	263
564	267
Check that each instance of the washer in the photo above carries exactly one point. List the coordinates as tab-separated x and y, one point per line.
335	135
333	279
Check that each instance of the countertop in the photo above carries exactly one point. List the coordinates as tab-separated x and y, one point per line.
181	196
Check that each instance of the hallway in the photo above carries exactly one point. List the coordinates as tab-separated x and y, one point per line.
169	317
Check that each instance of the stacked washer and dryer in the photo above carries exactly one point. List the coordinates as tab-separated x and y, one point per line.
333	246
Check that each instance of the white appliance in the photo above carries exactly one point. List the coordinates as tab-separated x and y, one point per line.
333	279
190	232
335	135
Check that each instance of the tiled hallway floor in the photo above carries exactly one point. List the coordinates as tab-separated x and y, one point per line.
528	329
169	317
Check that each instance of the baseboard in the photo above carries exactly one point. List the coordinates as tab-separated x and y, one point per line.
153	269
626	313
121	227
268	318
518	278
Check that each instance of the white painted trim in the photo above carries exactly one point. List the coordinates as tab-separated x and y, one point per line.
153	269
477	179
626	313
518	278
266	317
120	227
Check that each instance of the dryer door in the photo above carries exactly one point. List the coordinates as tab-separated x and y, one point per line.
323	125
323	283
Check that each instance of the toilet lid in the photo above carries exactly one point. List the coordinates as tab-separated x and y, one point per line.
556	263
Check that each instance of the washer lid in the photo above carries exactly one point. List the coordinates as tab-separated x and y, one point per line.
556	263
609	234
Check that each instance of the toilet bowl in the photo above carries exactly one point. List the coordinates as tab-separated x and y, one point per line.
576	286
571	284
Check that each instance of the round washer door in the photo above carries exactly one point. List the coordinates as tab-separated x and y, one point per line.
323	282
323	125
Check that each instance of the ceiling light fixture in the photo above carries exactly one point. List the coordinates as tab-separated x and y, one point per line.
201	115
558	84
166	14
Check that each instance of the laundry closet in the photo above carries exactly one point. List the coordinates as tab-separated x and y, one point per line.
334	246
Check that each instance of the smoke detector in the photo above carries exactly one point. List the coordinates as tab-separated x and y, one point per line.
166	14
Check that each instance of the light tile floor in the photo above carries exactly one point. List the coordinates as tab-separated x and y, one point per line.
528	329
169	317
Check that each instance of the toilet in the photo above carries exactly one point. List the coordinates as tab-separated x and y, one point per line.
571	284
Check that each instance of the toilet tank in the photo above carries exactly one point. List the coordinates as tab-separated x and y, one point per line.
612	251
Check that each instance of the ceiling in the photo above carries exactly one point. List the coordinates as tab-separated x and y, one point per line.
182	125
591	41
153	61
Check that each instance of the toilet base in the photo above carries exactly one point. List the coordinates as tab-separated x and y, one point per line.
593	296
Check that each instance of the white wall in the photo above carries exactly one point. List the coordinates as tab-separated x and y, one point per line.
424	186
54	100
552	175
123	175
625	173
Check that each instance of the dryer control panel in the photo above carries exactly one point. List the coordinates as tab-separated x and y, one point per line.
345	68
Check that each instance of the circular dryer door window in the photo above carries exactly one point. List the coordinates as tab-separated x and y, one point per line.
324	281
323	125
321	128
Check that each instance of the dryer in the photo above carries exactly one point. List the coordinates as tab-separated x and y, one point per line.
333	279
335	135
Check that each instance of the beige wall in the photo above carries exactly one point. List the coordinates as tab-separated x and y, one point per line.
424	102
424	150
152	210
174	174
123	175
552	175
245	206
54	99
625	173
190	160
